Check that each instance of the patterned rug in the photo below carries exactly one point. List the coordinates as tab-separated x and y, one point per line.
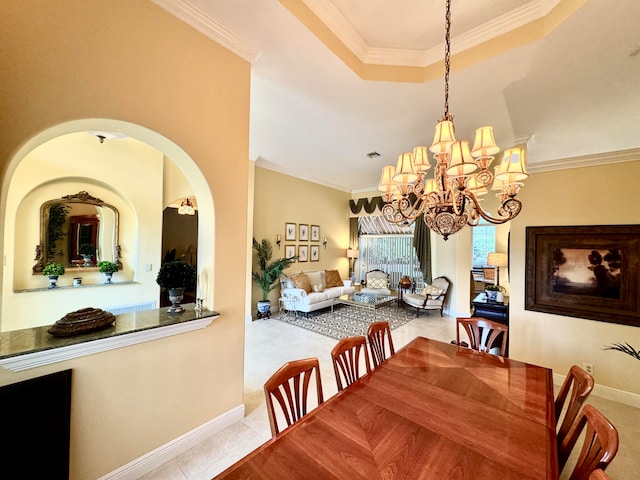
347	321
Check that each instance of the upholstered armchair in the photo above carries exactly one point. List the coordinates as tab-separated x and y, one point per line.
376	282
432	297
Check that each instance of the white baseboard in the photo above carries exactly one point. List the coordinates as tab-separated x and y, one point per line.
621	396
152	460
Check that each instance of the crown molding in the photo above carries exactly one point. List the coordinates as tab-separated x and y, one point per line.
593	160
328	14
344	31
209	27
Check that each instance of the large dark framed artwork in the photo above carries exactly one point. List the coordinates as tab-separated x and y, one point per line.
584	271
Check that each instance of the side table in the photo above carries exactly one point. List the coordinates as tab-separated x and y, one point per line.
402	287
287	306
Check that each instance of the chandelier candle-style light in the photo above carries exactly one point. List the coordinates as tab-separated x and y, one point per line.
450	200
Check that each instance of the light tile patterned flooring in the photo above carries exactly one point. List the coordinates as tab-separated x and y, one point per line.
270	343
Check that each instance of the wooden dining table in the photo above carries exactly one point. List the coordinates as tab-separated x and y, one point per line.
432	411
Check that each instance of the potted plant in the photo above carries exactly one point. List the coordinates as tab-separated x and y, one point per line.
175	277
108	268
53	270
626	348
268	273
87	251
495	293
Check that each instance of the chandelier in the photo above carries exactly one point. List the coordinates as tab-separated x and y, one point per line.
450	200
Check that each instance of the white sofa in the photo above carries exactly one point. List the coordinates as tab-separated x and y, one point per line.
319	296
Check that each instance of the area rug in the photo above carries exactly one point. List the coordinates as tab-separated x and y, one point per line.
347	321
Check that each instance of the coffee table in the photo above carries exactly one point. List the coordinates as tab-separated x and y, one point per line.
364	300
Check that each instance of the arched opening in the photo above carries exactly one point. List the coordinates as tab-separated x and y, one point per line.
75	161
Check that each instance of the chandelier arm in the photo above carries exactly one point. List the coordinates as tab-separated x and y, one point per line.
509	209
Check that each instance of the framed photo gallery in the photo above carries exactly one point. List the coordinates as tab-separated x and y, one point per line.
297	236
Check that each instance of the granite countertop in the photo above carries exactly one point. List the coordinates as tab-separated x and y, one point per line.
31	340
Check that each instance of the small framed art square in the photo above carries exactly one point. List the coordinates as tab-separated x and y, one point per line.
303	232
289	251
289	231
315	253
315	233
303	253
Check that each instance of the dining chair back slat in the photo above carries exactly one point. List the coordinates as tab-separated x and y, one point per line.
346	360
599	447
289	386
379	335
483	334
580	384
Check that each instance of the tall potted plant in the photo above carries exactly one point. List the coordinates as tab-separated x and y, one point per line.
268	273
176	277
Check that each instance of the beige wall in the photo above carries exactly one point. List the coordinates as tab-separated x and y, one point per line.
133	62
281	198
602	195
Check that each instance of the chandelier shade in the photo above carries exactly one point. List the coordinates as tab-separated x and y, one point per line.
484	145
450	200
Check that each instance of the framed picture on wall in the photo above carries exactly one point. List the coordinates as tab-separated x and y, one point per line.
315	253
315	233
289	231
303	253
303	232
586	271
289	251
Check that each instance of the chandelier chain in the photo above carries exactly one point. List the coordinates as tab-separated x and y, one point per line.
447	62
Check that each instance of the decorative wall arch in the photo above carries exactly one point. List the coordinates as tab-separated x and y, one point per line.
153	139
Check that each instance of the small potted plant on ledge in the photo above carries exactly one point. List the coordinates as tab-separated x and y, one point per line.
268	273
53	270
495	293
87	251
108	268
176	277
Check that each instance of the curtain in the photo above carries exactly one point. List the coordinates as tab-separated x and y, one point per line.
353	233
422	246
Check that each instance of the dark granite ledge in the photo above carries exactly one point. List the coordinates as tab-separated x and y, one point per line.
33	340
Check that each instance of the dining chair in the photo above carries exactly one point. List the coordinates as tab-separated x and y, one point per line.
346	360
599	447
580	384
290	387
379	335
598	475
483	334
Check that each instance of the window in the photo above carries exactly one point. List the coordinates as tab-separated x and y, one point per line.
484	242
393	254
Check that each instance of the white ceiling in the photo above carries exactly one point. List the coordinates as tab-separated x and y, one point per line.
573	93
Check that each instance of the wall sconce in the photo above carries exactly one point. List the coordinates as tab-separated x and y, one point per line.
324	242
186	207
278	240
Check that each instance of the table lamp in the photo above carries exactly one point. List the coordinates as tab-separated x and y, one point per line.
352	254
495	259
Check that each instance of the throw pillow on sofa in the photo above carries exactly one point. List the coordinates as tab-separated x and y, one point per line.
302	282
333	278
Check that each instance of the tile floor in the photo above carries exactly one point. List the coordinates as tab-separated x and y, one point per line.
270	343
